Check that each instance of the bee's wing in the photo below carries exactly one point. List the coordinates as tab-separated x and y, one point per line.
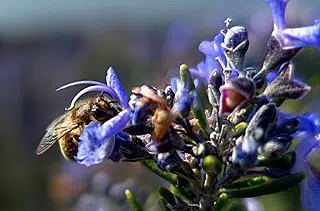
56	130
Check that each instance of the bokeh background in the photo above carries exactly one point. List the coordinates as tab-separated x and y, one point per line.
45	44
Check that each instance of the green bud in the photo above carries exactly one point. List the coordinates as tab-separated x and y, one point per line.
238	130
212	165
186	77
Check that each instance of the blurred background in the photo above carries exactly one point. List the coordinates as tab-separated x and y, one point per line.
45	44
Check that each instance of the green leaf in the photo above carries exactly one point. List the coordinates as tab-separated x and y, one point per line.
167	195
261	186
181	193
198	112
162	205
284	183
132	201
221	202
247	188
274	161
152	166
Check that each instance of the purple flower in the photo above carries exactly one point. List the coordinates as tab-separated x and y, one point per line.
101	141
308	123
167	161
292	37
308	35
176	84
211	50
307	160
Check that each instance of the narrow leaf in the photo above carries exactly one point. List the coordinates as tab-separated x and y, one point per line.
132	201
152	166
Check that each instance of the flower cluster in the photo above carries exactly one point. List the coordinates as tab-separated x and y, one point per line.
217	132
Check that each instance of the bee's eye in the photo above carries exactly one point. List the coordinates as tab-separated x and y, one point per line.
102	115
98	113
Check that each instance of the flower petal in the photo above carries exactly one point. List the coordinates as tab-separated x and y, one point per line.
176	84
86	82
278	8
213	48
98	141
113	81
310	187
92	149
114	125
303	36
310	192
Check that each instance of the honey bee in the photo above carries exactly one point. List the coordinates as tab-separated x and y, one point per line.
67	128
163	116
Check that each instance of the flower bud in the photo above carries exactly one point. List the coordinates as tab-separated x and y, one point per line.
212	165
234	92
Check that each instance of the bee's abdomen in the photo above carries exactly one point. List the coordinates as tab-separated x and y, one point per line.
69	146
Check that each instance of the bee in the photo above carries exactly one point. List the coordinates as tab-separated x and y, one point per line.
67	128
162	117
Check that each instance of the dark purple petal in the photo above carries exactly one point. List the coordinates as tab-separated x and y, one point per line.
245	154
167	161
215	79
113	82
132	151
303	36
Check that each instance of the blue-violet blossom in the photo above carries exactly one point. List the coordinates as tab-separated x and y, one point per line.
292	37
307	160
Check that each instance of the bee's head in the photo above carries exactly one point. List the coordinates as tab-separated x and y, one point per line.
105	107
